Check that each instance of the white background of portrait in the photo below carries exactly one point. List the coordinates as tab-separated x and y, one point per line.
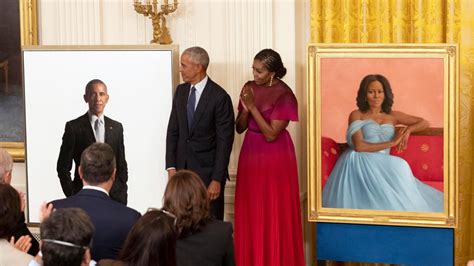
140	86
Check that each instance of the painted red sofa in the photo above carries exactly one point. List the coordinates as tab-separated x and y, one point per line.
424	154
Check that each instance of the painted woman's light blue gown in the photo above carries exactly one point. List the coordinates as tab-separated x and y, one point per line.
377	180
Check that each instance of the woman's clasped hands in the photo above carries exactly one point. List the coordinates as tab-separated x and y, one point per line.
248	101
401	138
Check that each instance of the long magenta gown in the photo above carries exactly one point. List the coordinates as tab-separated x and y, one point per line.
267	207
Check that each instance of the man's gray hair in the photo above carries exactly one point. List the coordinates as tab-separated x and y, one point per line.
198	55
6	164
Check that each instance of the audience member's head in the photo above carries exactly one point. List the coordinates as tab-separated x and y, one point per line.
6	165
98	165
186	198
9	210
66	237
151	241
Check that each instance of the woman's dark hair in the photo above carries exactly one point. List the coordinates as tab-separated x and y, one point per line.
151	241
9	210
362	93
186	198
272	62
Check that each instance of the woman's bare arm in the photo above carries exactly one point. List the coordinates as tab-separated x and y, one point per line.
241	122
269	130
413	123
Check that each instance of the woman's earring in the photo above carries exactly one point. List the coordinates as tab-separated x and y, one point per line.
271	81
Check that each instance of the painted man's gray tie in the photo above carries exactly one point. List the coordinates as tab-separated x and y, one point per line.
99	130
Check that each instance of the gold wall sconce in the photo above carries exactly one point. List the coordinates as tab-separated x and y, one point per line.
161	35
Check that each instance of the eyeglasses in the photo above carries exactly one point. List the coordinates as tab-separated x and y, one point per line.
165	212
64	243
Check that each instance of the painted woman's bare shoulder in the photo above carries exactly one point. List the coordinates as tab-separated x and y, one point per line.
355	115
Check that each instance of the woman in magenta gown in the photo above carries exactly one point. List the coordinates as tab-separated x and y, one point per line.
267	207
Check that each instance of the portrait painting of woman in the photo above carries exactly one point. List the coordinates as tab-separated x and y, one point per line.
382	134
366	176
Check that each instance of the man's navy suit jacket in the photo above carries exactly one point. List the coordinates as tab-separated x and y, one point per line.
205	147
111	219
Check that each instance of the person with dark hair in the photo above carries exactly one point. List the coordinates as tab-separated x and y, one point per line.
152	241
21	234
267	206
202	240
111	219
362	98
10	213
66	238
89	128
201	128
366	176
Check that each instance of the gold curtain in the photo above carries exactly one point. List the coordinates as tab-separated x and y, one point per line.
415	21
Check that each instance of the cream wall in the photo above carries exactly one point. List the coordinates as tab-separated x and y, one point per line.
232	31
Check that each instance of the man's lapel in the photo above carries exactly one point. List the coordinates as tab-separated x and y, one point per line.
88	131
109	131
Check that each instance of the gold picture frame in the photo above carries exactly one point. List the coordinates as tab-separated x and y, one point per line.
331	69
29	22
29	36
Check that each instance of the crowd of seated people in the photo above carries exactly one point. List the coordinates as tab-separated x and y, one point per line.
90	229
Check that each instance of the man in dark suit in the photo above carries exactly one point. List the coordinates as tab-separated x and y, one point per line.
111	219
201	128
87	129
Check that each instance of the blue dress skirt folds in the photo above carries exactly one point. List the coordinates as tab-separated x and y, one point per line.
377	180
